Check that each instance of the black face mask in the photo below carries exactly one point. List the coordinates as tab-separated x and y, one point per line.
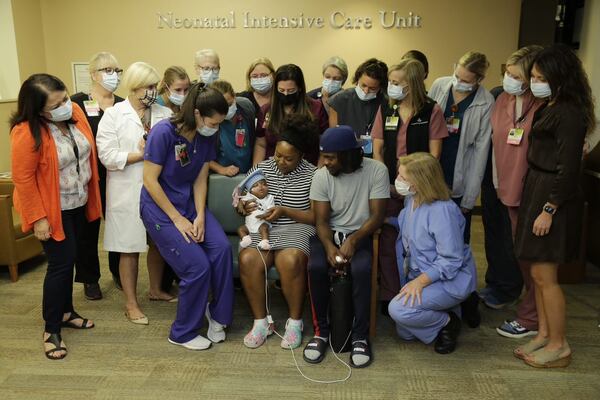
288	99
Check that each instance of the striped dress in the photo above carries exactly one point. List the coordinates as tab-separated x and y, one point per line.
291	190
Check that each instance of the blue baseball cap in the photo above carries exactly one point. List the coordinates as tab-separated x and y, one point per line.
339	138
249	181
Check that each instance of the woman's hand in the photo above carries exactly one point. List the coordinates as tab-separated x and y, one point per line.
411	291
272	214
246	207
232	170
42	229
186	228
199	229
542	224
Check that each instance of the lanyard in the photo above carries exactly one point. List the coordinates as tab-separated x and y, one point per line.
516	120
75	148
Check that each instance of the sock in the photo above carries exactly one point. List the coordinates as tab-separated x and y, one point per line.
246	241
295	322
312	353
360	359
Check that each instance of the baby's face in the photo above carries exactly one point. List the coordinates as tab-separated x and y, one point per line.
260	189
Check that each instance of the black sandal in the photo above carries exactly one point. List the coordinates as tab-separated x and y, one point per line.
70	324
315	344
55	339
361	348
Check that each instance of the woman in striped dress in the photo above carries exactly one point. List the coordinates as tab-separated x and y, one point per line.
289	178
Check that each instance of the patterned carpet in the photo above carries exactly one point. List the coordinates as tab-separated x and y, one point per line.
119	360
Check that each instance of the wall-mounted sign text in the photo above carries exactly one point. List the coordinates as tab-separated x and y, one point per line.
335	20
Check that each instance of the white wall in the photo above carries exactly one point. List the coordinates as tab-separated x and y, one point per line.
10	80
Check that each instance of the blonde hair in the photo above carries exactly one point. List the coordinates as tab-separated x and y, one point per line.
476	63
425	173
223	87
171	74
140	74
259	61
339	63
415	77
206	53
101	60
523	60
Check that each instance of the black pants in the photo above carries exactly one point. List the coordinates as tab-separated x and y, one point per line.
467	233
503	275
87	266
58	283
319	284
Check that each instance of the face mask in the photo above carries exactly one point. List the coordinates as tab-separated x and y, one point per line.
364	96
110	81
540	89
513	86
149	97
206	131
62	113
176	98
261	85
403	188
396	92
330	86
231	112
461	86
208	77
288	99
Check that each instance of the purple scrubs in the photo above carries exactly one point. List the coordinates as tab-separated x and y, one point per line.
202	267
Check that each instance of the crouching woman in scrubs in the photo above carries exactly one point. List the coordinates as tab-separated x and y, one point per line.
436	267
187	235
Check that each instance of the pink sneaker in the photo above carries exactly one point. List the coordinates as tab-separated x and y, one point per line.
292	337
258	334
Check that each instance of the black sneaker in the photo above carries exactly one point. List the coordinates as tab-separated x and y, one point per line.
92	291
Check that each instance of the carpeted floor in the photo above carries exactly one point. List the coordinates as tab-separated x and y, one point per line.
119	360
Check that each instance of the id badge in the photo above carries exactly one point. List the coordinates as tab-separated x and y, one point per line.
92	108
367	144
453	124
515	135
181	154
240	137
392	122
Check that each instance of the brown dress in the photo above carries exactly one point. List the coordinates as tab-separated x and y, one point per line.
554	161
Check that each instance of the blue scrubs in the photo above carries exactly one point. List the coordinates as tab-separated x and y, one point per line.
430	239
202	267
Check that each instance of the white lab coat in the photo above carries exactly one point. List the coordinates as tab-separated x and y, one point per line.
119	133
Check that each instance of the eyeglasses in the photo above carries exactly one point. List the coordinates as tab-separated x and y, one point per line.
111	71
209	69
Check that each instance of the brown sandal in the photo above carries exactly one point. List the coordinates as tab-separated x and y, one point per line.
526	349
543	358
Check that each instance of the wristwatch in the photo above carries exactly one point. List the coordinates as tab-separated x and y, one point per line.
549	209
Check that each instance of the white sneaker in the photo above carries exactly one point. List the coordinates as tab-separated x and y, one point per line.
216	331
197	343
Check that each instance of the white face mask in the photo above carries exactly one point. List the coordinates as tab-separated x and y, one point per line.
403	188
62	113
110	81
231	112
261	85
364	96
176	98
462	86
513	86
331	86
540	89
208	76
396	92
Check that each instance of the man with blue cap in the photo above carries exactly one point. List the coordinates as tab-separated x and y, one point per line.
256	189
349	197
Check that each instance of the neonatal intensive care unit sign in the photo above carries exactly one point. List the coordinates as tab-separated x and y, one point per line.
249	20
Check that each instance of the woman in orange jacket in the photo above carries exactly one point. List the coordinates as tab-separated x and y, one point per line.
55	173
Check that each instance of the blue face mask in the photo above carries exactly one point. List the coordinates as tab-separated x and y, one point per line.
513	86
62	113
396	92
462	86
176	98
261	85
208	76
110	81
540	90
331	86
231	112
364	96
